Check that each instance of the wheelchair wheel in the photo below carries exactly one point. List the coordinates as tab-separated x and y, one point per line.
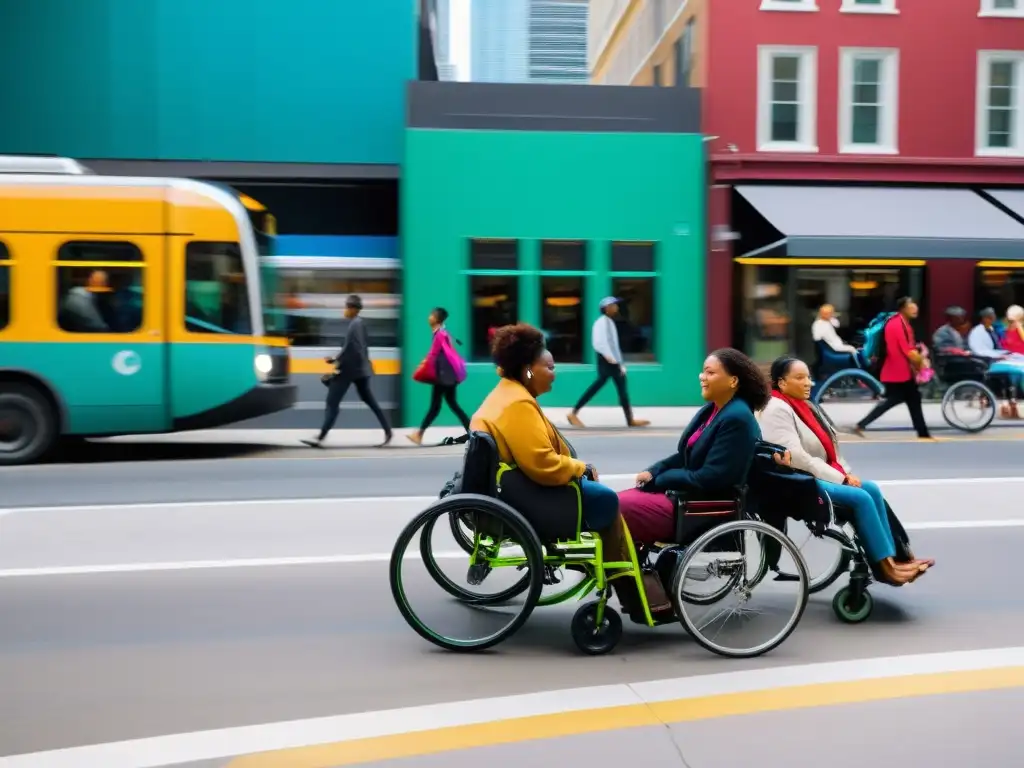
851	608
742	622
826	557
511	556
969	406
594	639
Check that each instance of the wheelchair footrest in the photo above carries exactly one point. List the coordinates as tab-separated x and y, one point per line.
477	573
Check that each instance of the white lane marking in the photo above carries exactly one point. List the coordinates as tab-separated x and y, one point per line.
231	742
621	482
368	557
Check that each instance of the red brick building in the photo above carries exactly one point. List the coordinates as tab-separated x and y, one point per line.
858	150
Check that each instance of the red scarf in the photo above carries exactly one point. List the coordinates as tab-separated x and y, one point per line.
803	411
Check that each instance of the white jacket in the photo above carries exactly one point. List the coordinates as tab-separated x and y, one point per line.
780	424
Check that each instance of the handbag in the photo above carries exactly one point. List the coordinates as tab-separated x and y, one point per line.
425	372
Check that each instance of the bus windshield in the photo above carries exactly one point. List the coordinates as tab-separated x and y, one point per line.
265	229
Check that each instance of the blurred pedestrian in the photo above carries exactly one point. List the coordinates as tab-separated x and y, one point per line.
443	369
352	367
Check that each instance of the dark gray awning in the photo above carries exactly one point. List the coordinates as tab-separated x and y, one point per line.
1011	199
886	222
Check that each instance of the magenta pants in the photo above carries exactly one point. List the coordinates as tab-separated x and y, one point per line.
650	516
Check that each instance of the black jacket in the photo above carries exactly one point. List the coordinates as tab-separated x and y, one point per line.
354	360
718	460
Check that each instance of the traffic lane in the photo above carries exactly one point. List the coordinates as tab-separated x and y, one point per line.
345	529
978	728
106	657
399	472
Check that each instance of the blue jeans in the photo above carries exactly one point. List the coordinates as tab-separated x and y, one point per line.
870	519
600	505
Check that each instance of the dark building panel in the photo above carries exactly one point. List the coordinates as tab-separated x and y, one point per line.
552	107
242	170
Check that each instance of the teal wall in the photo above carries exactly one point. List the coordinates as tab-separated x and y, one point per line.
250	80
529	186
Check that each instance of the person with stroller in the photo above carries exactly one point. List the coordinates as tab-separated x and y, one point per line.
790	419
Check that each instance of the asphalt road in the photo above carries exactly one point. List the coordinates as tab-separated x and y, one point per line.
124	622
123	473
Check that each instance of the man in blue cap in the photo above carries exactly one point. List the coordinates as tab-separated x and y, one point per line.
610	365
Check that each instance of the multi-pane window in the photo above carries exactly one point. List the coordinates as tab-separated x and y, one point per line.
99	287
1002	8
494	291
787	103
684	54
563	265
1000	123
633	283
868	102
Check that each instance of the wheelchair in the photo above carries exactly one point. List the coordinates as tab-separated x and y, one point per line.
715	541
852	603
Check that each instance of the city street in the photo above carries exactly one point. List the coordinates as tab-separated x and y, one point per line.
170	602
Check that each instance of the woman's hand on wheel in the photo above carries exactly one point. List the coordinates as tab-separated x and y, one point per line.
783	460
644	478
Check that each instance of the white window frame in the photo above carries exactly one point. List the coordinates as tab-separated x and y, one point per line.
985	61
804	6
888	118
988	9
807	93
885	7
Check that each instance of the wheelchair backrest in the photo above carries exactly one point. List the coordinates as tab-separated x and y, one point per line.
480	465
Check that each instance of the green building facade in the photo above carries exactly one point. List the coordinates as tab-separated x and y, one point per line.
535	212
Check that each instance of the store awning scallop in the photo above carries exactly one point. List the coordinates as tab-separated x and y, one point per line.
875	223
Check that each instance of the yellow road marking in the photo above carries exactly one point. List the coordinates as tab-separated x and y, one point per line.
320	366
362	751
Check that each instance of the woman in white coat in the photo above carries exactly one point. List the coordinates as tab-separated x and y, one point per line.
790	419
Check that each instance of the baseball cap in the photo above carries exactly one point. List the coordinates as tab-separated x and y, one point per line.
354	301
607	301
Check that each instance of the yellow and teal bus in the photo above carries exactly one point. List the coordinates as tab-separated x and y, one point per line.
131	305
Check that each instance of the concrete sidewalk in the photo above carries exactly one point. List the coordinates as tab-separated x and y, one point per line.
596	419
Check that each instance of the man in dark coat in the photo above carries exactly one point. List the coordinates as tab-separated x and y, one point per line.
352	366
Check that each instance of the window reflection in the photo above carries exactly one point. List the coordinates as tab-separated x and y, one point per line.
495	302
5	287
858	296
96	297
562	317
314	303
636	317
216	296
764	320
998	288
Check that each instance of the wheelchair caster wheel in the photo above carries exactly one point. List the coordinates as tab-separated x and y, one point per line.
592	639
851	610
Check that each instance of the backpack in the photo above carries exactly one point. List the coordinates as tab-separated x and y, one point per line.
874	340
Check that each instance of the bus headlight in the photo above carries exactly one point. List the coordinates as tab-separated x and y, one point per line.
264	365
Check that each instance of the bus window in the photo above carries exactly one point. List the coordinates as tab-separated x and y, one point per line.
216	296
99	287
5	286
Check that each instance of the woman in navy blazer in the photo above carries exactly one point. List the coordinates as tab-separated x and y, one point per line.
714	453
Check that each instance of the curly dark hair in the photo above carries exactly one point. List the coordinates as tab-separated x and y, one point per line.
753	386
515	348
780	369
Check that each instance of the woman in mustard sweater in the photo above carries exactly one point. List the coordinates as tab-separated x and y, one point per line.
525	437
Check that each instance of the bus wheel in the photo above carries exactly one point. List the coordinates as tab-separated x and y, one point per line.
28	424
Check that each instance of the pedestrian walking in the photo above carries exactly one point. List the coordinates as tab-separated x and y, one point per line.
352	367
604	337
900	361
443	369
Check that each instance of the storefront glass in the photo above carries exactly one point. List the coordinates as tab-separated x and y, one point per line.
778	304
999	288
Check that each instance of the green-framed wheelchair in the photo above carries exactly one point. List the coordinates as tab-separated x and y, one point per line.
512	558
